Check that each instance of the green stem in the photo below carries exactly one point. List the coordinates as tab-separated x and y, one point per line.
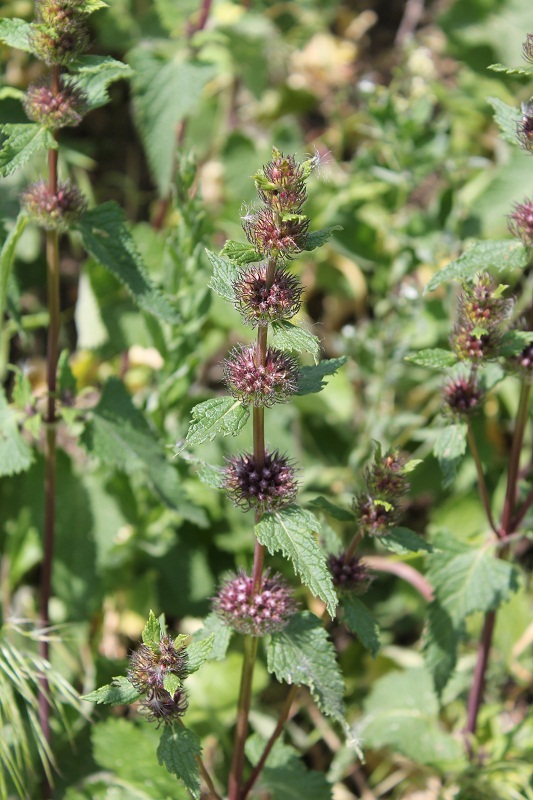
480	477
243	709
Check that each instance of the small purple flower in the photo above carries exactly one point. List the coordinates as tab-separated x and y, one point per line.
349	574
254	613
275	236
261	385
521	222
265	487
462	395
53	211
54	111
261	303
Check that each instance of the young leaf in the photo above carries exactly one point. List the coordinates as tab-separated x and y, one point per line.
224	273
15	454
213	626
499	256
117	693
151	634
318	238
506	117
199	652
7	256
177	752
94	74
23	140
440	645
240	253
403	540
302	654
292	530
286	336
323	504
164	92
511	70
16	33
450	447
434	358
361	622
311	379
223	415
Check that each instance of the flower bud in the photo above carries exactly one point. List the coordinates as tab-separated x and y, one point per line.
53	211
281	183
376	515
261	385
147	671
162	707
275	235
524	128
462	395
60	43
260	304
265	487
349	574
386	478
521	222
255	613
481	313
54	111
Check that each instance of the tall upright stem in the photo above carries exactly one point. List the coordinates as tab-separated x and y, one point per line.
52	261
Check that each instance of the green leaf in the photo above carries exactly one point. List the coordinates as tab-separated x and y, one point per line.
434	358
223	415
318	238
89	6
292	530
511	70
302	654
361	622
240	253
7	256
117	693
23	140
15	455
402	713
513	342
199	651
403	540
467	579
286	336
498	256
118	434
151	634
65	377
94	74
171	683
449	449
292	781
164	93
507	119
106	237
441	639
323	504
177	751
213	626
311	379
224	273
16	33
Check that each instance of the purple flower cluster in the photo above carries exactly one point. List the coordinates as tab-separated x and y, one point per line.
53	211
462	395
54	111
261	384
266	610
266	487
481	314
60	34
348	573
261	303
147	672
378	507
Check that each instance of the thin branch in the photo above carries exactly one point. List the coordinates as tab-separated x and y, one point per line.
476	692
514	459
481	477
401	570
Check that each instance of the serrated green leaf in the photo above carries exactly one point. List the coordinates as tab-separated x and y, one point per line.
507	119
199	651
16	33
89	6
213	626
177	751
171	683
117	693
402	713
15	455
286	336
118	434
449	449
223	415
292	781
493	256
94	74
7	256
23	140
323	504
302	654
311	379
361	622
467	579
511	70
513	342
224	273
318	238
292	531
151	634
164	93
241	253
434	358
106	237
440	645
403	540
